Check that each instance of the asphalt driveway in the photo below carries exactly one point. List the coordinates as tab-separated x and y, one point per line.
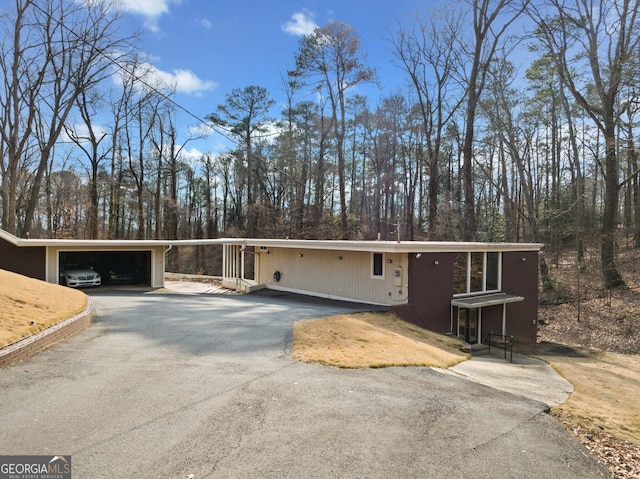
202	386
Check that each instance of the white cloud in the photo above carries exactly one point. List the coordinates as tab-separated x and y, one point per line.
182	81
202	130
204	22
80	132
301	23
150	10
145	73
191	156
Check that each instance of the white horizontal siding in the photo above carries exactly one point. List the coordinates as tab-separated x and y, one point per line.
334	274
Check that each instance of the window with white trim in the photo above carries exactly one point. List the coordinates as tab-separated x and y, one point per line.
477	272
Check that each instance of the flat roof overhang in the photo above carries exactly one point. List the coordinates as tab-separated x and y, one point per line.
70	243
474	302
334	245
389	246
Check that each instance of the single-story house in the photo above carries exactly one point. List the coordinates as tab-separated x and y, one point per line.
466	289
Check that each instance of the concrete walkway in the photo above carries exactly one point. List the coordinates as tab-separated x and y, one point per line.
525	376
193	287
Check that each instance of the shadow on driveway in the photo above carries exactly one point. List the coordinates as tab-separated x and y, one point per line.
202	386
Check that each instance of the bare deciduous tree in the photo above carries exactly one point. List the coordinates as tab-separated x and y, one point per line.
429	56
53	50
89	141
599	40
331	56
490	21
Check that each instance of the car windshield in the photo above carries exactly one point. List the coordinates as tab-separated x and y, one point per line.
76	266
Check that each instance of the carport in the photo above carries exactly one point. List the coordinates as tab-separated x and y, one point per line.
139	262
118	261
115	266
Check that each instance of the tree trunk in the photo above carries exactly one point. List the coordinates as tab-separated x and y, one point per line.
610	274
469	222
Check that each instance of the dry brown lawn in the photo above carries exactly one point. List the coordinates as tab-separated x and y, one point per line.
603	327
606	393
28	305
604	409
372	340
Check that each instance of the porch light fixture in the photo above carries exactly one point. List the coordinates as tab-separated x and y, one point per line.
418	255
339	258
436	262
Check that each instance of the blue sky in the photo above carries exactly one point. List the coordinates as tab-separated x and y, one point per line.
209	47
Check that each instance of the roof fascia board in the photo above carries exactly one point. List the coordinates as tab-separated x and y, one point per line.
395	247
334	245
8	237
69	243
92	243
209	241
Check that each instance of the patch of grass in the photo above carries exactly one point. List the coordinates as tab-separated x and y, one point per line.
28	306
606	391
372	340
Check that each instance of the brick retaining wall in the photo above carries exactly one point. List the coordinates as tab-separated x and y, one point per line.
47	337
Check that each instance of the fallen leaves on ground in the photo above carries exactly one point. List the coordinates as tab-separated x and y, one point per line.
581	313
621	458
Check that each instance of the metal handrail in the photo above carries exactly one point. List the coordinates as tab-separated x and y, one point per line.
505	340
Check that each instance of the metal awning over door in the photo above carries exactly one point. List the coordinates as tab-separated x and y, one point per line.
484	300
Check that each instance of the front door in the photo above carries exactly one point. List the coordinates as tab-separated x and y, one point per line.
468	325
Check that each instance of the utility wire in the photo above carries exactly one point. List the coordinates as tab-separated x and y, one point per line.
216	128
130	73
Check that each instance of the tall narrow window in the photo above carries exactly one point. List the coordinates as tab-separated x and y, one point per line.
378	265
460	273
492	272
477	267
